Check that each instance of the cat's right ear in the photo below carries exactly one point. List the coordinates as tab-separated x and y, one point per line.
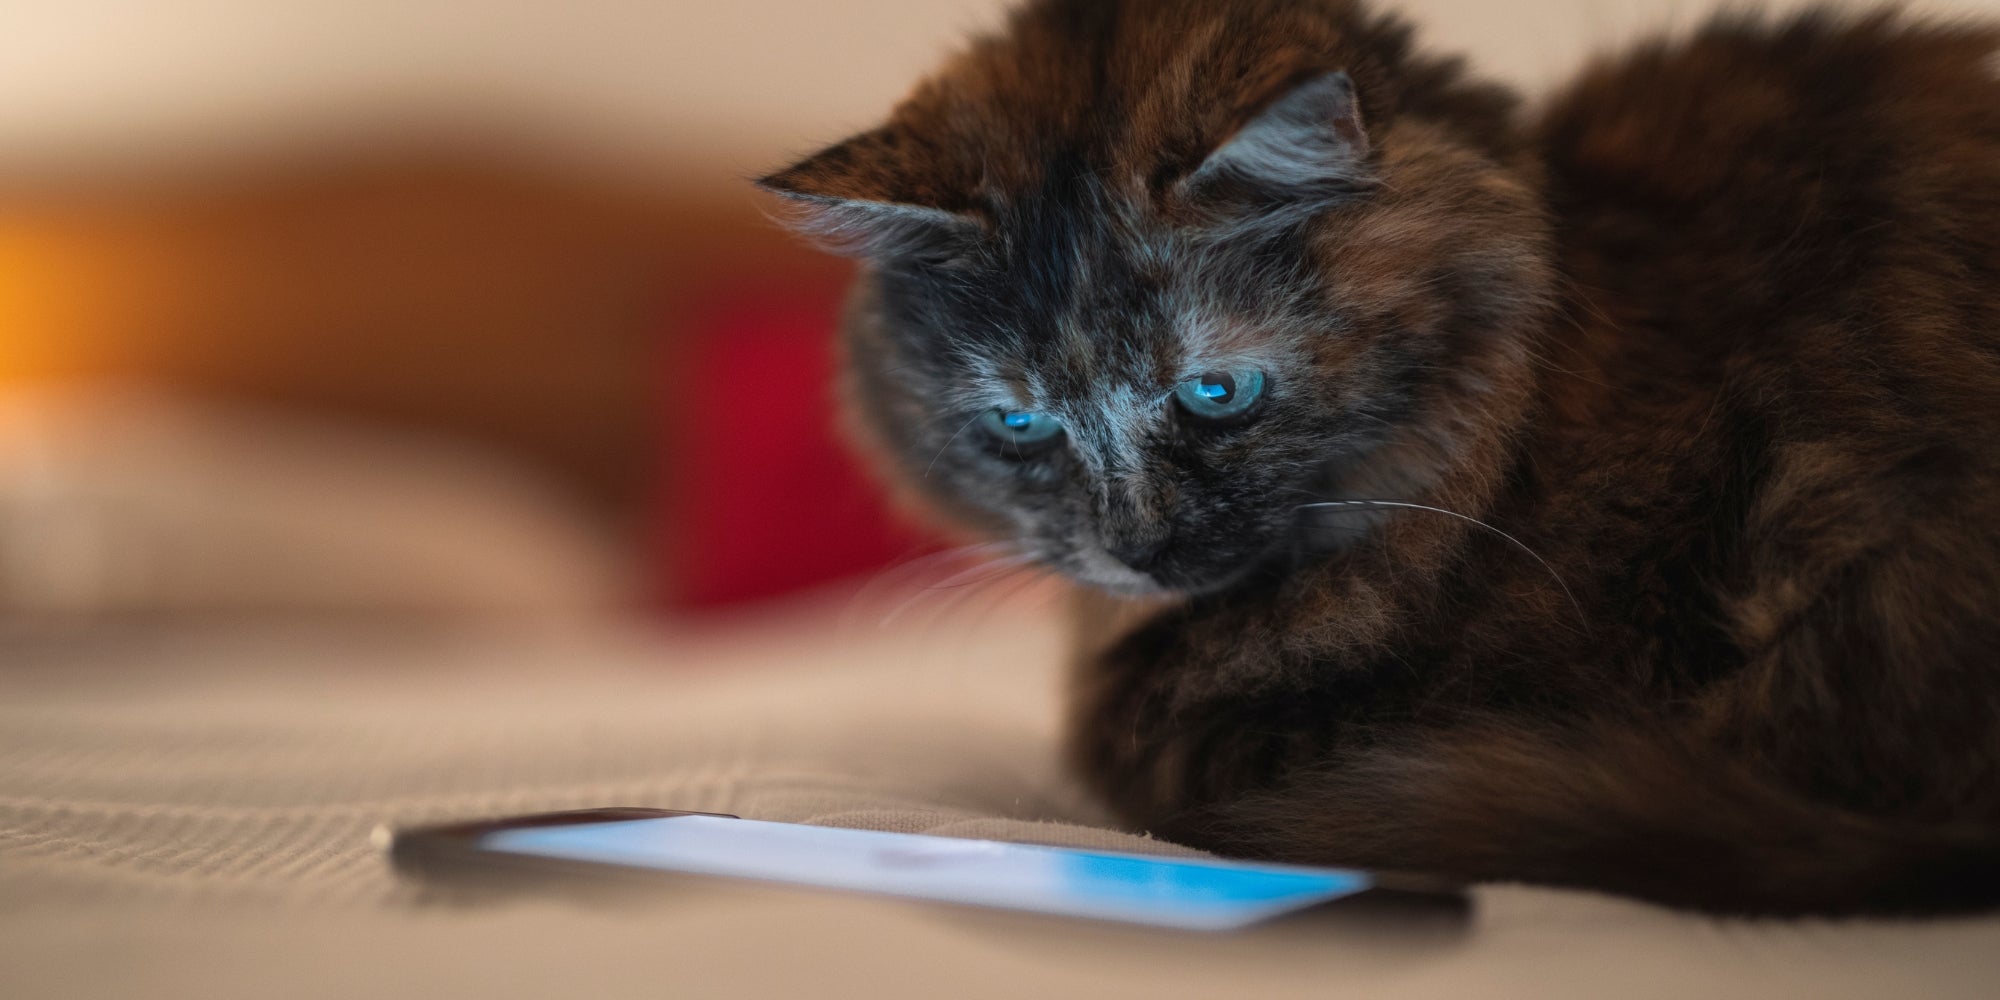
1302	148
853	199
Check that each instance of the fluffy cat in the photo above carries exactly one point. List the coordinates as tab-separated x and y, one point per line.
1607	496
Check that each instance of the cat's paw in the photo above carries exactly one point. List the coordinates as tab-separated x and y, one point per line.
1154	738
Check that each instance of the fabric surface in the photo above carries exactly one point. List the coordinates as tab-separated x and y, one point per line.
122	500
189	815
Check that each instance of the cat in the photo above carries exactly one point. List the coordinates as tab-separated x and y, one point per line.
1605	495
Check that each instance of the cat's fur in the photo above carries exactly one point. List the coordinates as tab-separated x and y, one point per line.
1713	340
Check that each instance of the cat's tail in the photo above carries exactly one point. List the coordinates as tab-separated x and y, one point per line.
1618	809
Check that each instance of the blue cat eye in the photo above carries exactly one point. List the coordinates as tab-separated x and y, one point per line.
1022	431
1226	395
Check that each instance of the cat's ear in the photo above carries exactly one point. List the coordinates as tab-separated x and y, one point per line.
1307	144
854	199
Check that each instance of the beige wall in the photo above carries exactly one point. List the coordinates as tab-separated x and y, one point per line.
738	85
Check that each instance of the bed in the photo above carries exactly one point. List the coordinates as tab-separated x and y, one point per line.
185	812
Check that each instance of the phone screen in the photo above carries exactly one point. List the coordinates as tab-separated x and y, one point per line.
1195	894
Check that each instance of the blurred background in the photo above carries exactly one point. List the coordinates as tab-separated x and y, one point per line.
447	310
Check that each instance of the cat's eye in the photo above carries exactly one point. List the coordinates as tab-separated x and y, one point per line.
1021	433
1221	396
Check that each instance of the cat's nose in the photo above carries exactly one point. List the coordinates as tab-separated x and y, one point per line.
1141	554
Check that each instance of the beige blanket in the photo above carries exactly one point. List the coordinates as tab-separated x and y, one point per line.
187	814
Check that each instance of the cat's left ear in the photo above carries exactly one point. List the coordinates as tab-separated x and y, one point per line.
1306	145
855	198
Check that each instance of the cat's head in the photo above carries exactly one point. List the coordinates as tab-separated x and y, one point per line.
1141	278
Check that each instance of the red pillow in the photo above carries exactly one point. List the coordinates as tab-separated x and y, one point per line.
766	500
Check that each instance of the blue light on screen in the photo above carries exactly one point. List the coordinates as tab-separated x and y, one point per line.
1166	881
1193	893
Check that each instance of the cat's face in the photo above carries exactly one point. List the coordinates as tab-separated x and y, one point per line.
1139	408
1137	340
1139	431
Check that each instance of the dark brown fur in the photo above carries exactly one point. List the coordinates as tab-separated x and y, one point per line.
1720	334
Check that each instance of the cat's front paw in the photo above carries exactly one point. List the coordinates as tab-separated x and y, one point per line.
1155	740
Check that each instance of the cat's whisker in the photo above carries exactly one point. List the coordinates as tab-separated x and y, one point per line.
970	577
990	570
947	444
911	569
976	552
1009	591
940	604
1517	543
990	592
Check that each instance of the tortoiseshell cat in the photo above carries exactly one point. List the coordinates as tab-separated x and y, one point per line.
1605	497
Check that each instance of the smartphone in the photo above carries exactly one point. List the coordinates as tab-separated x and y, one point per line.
1186	893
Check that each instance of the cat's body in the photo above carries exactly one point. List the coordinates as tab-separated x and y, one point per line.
1711	348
